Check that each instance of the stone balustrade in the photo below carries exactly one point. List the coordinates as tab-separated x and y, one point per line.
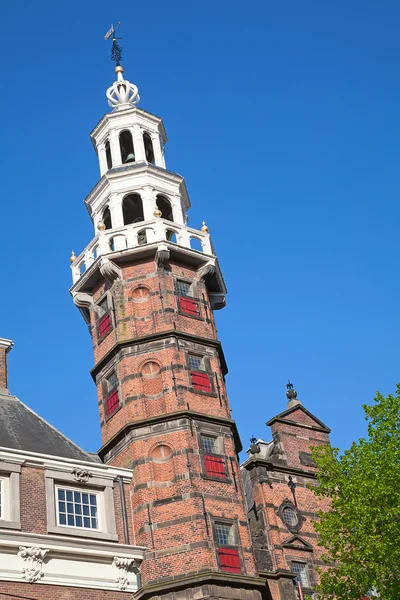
139	234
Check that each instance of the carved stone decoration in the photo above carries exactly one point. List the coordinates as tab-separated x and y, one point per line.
123	565
162	258
33	562
82	300
81	475
110	270
205	271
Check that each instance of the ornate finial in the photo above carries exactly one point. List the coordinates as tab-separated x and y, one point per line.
157	212
291	395
72	258
122	94
204	227
101	226
254	447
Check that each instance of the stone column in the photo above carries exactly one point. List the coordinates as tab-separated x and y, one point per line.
115	149
5	347
158	156
138	143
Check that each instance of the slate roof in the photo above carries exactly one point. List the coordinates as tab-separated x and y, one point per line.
22	429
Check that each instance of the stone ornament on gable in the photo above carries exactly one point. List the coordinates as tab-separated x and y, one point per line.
123	565
81	475
33	560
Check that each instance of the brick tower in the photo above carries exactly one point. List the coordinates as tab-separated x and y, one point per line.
147	286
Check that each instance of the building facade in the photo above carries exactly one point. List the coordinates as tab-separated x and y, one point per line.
164	509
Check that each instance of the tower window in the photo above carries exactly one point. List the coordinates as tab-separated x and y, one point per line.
187	305
148	148
200	379
290	516
229	559
104	324
112	398
302	576
214	466
126	145
108	155
132	209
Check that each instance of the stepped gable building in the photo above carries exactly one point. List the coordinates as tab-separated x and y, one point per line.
163	511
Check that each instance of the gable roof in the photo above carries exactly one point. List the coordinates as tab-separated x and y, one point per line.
284	417
23	429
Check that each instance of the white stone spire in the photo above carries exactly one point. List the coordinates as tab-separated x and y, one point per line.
122	94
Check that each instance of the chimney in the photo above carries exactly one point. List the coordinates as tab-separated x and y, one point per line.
5	347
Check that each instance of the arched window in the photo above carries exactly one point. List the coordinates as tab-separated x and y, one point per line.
165	206
132	209
126	145
107	218
108	155
148	148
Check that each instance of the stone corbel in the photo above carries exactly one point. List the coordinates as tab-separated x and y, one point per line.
206	271
81	475
82	300
110	270
162	258
33	558
123	565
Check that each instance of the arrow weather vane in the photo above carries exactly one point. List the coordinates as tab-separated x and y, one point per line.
116	50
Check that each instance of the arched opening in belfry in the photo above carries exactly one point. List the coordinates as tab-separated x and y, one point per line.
107	218
132	209
165	206
108	155
126	145
148	148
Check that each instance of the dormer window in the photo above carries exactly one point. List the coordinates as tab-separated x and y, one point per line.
77	508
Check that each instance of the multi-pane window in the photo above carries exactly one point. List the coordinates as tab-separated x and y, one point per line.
301	571
209	444
182	288
187	305
195	362
112	398
77	509
229	559
214	466
200	379
224	534
290	516
104	323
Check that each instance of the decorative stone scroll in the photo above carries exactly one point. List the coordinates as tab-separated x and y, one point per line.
162	258
81	475
123	565
110	270
33	562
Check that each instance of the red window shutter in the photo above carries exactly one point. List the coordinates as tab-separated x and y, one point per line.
112	402
189	306
104	325
215	466
201	381
229	560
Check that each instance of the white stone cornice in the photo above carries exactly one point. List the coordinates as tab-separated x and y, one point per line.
64	465
6	344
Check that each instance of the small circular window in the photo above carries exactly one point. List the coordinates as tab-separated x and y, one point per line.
290	516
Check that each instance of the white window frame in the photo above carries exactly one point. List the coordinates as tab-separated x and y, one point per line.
10	517
91	492
102	486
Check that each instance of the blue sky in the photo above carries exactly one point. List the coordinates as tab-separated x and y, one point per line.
283	118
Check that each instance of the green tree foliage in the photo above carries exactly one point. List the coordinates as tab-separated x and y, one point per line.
361	532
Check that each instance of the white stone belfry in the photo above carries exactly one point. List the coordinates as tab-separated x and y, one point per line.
122	94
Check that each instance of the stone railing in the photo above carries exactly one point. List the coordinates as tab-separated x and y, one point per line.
139	234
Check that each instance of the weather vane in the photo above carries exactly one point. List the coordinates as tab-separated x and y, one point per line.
116	50
289	385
